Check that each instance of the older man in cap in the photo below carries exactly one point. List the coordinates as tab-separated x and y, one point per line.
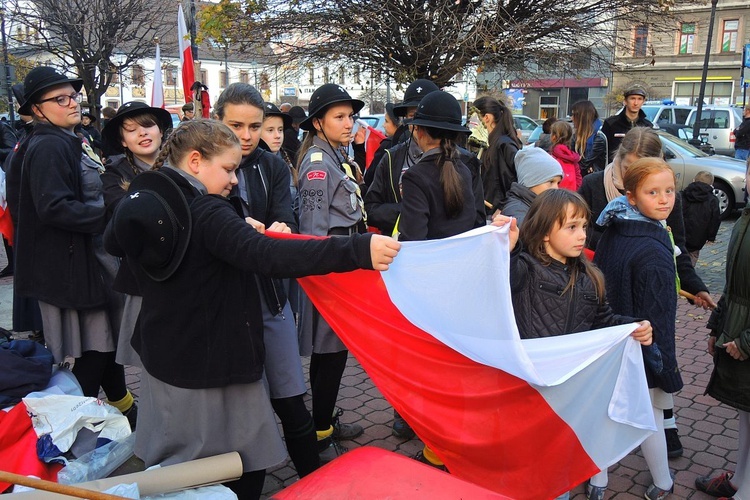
616	126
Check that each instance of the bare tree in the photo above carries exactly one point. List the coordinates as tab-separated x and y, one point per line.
438	39
98	38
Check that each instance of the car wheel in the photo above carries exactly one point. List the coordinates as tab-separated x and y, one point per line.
726	198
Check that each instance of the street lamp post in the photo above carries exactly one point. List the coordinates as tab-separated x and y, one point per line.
7	82
704	76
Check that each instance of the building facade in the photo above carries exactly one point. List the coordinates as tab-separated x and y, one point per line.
669	63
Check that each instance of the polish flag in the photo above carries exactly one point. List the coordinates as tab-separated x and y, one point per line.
157	91
437	335
186	55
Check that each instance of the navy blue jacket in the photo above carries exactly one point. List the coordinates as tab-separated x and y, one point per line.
637	259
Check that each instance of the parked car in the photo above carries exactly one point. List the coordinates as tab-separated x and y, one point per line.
664	112
719	122
375	121
526	125
685	132
686	161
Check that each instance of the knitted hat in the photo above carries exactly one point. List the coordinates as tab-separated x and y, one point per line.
535	166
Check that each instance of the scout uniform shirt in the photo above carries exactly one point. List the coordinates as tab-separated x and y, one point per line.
329	200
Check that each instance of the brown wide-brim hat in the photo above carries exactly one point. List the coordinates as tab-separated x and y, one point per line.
40	79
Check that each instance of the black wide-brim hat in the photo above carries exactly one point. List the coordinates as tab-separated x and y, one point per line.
324	96
298	114
439	110
89	115
111	131
40	79
270	109
414	94
152	224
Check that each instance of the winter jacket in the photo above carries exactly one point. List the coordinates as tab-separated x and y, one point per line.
637	259
568	160
423	210
592	190
595	157
700	211
383	198
742	135
498	176
264	190
517	202
544	308
730	321
55	260
8	140
616	126
203	326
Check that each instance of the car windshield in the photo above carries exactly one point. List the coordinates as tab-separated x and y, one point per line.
680	146
650	112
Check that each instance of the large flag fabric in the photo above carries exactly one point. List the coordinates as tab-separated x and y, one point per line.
157	91
186	55
437	336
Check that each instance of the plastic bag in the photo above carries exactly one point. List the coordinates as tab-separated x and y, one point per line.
97	463
57	419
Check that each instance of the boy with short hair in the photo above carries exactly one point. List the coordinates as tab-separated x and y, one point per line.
700	210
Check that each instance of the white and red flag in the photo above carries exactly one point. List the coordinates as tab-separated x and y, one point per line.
186	55
157	91
372	142
437	336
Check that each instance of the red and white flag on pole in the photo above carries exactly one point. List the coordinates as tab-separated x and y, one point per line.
186	55
372	143
157	91
437	335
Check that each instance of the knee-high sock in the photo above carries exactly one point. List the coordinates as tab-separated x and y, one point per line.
299	433
654	450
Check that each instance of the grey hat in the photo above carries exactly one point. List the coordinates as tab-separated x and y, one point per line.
635	90
535	166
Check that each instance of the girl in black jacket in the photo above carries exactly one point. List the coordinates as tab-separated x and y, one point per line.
498	166
555	289
200	333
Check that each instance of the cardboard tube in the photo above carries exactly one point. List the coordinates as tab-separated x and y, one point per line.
178	477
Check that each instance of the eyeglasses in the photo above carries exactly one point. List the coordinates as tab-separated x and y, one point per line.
64	100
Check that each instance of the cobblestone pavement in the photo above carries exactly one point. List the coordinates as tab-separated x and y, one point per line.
708	429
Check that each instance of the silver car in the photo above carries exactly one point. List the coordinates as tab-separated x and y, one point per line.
686	161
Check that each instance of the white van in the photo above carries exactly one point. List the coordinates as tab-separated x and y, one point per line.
719	122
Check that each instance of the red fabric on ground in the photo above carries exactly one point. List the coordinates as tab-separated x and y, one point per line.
18	447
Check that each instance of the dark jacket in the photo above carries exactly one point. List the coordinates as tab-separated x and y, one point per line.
700	211
291	143
637	259
96	137
730	321
55	260
267	198
423	211
595	158
592	190
517	202
203	326
383	198
117	174
616	126
541	307
8	139
498	176
742	135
